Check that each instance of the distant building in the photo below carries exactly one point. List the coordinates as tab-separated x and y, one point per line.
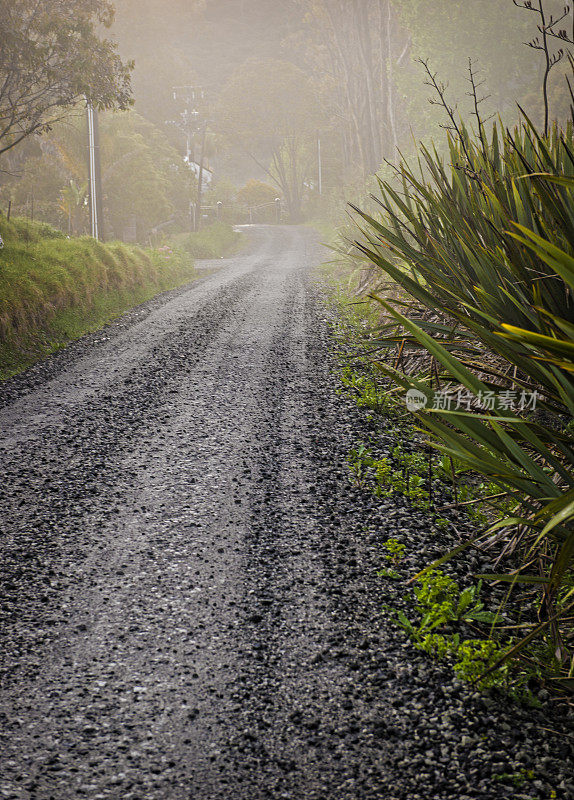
207	174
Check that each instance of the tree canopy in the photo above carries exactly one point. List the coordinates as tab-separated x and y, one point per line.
52	55
145	181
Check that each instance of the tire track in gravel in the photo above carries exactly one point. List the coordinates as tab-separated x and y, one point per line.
71	461
190	605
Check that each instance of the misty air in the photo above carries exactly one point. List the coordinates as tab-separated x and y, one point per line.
286	400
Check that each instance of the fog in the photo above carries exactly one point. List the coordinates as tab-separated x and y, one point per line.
361	57
310	97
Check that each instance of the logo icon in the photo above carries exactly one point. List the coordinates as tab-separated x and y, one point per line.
416	400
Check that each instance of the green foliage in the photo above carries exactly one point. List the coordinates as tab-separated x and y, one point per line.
52	57
441	605
144	178
74	198
256	193
440	598
488	243
491	31
20	230
367	393
361	464
54	289
395	550
404	473
518	779
273	109
395	554
145	182
441	601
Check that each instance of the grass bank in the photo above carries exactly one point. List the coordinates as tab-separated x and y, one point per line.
54	289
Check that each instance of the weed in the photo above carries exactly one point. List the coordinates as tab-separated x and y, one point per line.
517	779
395	554
360	461
442	606
404	473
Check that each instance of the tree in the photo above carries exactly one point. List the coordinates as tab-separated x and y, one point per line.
491	32
145	180
73	202
272	109
548	29
52	56
365	52
256	193
356	45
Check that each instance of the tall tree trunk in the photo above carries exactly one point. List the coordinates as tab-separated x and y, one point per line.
361	9
391	88
384	123
337	28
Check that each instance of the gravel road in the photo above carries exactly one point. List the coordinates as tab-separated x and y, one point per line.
190	606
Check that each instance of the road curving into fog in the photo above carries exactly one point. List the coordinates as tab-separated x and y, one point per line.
190	606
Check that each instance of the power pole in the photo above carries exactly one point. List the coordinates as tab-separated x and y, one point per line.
192	96
320	164
95	172
200	178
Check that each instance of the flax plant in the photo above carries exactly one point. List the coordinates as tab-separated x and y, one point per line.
486	242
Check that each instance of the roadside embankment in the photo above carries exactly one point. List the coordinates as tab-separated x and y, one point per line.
54	289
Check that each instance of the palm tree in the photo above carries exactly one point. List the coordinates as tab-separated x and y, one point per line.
72	201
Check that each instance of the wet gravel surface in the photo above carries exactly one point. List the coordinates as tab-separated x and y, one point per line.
190	606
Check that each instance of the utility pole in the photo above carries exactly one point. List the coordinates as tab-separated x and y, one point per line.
320	165
200	178
95	172
191	96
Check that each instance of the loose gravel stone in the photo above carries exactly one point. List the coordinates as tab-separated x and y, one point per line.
190	602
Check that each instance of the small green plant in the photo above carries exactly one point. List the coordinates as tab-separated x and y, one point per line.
518	778
365	390
474	657
386	476
395	554
395	550
441	605
360	461
440	601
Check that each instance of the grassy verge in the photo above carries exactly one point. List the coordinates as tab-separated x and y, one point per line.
216	241
54	289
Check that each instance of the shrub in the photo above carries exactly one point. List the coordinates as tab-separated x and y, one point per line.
487	243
